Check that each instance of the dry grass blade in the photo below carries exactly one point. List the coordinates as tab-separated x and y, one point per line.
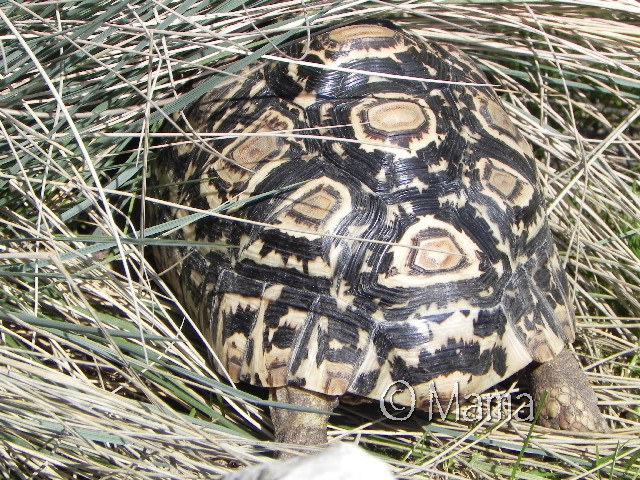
101	372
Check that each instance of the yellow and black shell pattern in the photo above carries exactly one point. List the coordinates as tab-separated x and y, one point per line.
460	284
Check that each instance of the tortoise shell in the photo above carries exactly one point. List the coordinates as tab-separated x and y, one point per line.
388	228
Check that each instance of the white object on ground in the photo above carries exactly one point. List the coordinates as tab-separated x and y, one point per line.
344	461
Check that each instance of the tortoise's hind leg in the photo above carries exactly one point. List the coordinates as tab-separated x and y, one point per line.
571	404
301	428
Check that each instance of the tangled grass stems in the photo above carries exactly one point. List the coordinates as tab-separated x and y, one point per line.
100	372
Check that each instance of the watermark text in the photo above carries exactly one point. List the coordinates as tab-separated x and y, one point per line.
400	400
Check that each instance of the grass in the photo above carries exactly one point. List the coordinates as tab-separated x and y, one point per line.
99	373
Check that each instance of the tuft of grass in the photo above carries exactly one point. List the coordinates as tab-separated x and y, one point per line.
100	374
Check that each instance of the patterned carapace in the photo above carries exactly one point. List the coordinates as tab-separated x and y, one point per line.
463	282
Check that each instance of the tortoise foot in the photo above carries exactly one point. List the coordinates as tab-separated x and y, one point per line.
296	427
571	403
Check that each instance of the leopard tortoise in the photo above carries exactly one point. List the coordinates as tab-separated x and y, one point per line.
386	228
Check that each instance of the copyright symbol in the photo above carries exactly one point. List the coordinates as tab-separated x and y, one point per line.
389	393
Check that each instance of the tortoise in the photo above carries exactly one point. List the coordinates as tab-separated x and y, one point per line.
385	222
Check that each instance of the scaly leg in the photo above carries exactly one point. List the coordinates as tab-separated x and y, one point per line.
571	404
301	428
